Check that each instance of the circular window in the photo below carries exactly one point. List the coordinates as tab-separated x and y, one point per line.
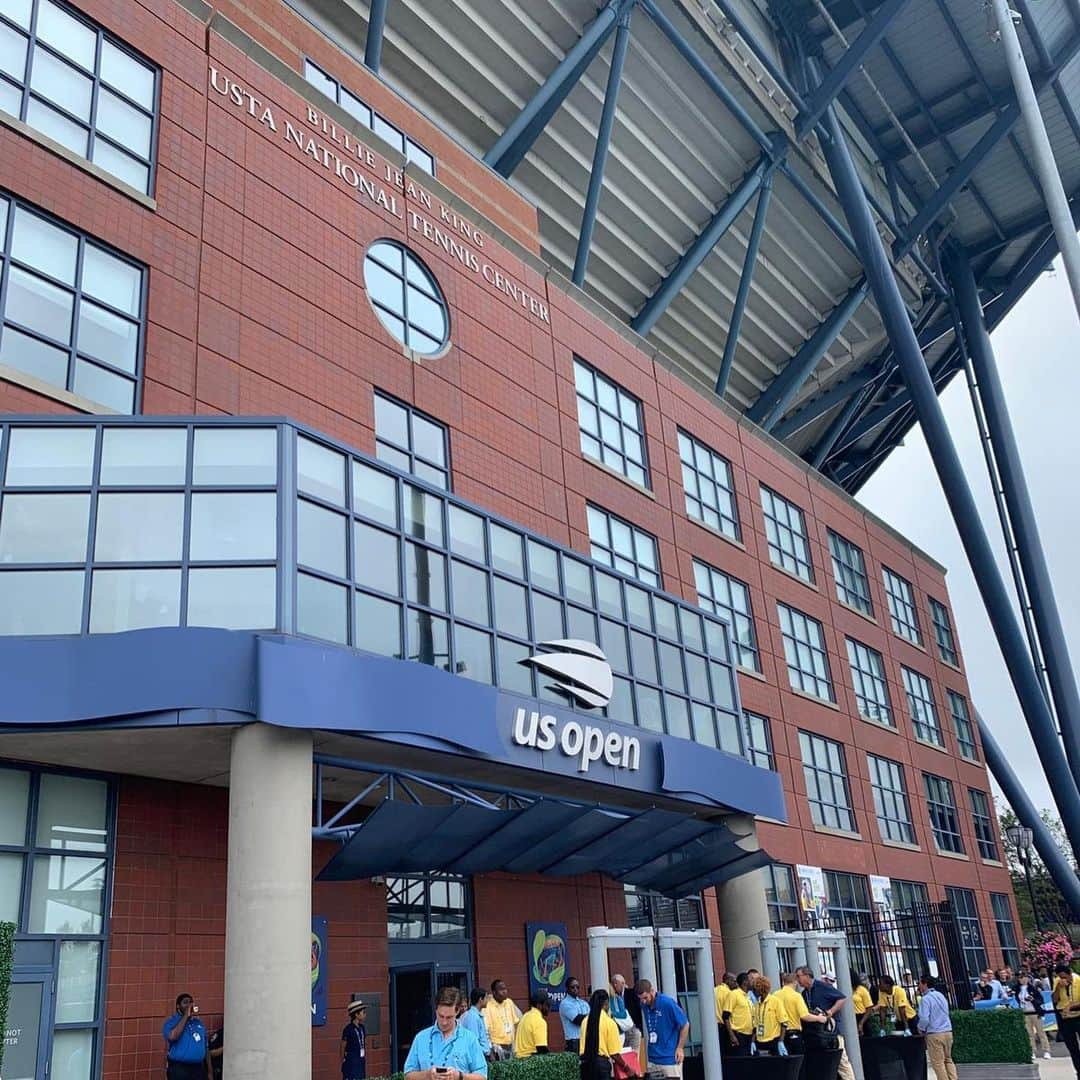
406	297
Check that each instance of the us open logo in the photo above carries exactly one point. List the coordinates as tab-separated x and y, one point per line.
580	670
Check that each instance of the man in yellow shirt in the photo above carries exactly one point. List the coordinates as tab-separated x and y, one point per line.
721	995
739	1018
795	1013
893	998
502	1017
531	1036
1066	999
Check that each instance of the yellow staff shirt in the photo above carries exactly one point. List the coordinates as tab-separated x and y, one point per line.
532	1031
742	1019
723	995
768	1019
898	1002
861	1000
610	1040
501	1019
1066	995
793	1005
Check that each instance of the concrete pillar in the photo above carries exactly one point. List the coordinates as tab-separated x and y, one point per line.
268	905
742	907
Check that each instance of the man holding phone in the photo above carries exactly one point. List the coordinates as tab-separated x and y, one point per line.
186	1045
446	1050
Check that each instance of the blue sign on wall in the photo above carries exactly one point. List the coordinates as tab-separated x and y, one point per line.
318	971
545	946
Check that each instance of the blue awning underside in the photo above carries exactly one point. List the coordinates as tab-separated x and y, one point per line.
661	850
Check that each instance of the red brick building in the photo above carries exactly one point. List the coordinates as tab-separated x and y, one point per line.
243	257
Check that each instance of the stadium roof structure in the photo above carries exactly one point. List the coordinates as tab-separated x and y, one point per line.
709	116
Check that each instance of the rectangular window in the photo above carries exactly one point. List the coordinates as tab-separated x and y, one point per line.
612	430
1010	951
902	612
64	76
826	782
411	441
730	599
710	493
804	650
944	820
785	528
72	309
849	906
909	897
943	635
868	679
971	937
965	731
906	895
622	546
849	569
367	116
432	907
984	824
781	898
759	749
891	800
921	707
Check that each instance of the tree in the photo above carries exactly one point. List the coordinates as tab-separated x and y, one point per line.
1053	912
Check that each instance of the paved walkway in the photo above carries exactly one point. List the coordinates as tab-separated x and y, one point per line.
1057	1068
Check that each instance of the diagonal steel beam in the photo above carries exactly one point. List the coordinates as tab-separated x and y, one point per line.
705	241
846	66
518	138
375	28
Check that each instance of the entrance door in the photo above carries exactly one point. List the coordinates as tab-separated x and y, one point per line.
412	995
26	1037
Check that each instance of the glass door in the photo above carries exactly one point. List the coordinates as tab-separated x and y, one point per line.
412	990
26	1036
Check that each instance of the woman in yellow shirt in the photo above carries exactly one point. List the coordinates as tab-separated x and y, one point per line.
768	1017
893	998
861	1001
600	1039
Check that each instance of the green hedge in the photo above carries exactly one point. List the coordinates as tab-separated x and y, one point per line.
7	961
539	1067
990	1036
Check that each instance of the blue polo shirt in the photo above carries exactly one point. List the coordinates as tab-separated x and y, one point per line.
473	1020
572	1010
664	1019
460	1051
191	1047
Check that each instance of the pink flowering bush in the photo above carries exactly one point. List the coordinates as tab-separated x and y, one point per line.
1046	949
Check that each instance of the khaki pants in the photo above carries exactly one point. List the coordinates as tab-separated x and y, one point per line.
939	1051
1037	1034
844	1071
674	1072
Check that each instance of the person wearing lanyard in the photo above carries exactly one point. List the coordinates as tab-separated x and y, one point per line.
739	1019
353	1043
572	1010
769	1018
472	1019
892	998
935	1024
445	1051
185	1043
668	1028
1066	999
502	1017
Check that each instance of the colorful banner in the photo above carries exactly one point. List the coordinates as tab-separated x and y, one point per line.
813	899
545	944
318	971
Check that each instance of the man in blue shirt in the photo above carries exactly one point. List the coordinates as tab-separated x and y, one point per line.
473	1019
185	1043
667	1028
446	1050
936	1024
572	1010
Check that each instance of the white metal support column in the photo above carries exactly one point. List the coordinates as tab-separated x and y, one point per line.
268	905
699	942
640	942
1042	153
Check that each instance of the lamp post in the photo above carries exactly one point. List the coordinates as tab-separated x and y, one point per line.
1021	838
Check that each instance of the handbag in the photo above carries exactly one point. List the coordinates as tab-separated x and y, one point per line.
821	1037
624	1066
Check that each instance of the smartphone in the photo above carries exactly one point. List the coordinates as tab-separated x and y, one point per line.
441	1069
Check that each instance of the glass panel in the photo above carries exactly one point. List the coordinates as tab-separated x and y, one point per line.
375	559
378	625
319	79
513	675
49	122
373	494
44	528
10	97
67	34
232	526
543	566
235	456
139	527
14	801
143	456
576	577
121	122
121	165
41	602
320	471
320	609
26	353
470	593
506	551
126	74
133	600
76	984
467	534
38	305
510	617
105	387
472	654
72	1054
547	618
61	83
422	514
425	576
108	337
44	246
67	894
428	439
50	457
236	599
320	540
609	594
111	280
429	640
11	874
72	812
18	11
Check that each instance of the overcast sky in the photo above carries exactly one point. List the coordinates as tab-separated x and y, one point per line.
1038	354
